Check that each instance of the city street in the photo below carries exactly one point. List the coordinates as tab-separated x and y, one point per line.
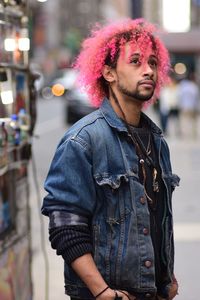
185	156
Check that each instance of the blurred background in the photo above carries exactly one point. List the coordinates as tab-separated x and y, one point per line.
57	28
39	100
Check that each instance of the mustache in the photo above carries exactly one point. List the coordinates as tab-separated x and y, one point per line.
147	80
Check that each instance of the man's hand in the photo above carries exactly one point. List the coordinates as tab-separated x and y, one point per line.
110	294
86	269
173	291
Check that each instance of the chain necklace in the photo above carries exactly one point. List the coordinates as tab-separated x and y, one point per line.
148	148
143	153
149	161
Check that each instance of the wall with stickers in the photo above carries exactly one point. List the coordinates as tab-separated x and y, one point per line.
16	126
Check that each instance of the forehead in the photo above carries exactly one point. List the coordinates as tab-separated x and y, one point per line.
130	49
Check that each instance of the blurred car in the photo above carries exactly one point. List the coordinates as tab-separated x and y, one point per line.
67	78
77	105
77	101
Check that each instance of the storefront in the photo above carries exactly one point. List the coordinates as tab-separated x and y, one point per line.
16	124
184	49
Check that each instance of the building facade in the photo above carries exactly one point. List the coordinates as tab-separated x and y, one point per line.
60	26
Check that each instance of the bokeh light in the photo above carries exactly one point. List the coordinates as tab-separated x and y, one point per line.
180	68
58	89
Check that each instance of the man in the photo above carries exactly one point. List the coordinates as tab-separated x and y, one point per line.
110	183
168	105
189	103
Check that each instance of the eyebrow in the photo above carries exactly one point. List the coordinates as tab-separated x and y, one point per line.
138	55
153	56
135	54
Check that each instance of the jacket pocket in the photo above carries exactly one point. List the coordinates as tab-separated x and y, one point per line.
175	179
117	207
172	180
114	181
115	192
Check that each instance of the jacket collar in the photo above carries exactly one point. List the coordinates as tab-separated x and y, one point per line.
111	117
114	121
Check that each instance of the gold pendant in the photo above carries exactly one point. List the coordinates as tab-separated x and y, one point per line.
155	182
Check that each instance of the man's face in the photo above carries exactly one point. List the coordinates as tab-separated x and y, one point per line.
136	73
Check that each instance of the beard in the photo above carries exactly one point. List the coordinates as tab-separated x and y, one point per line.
135	94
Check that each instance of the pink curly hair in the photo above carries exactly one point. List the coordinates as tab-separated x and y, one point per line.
103	47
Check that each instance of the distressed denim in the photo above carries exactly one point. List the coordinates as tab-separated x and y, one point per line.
94	177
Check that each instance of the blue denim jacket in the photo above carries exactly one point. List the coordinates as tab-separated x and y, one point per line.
93	181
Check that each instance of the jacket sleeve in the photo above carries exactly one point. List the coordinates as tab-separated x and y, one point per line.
70	185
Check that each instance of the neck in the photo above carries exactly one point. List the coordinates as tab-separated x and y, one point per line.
130	108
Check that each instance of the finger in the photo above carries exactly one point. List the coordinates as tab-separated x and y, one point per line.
127	295
173	291
132	297
124	294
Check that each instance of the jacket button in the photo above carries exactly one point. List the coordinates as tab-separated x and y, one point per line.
142	200
148	295
147	263
145	231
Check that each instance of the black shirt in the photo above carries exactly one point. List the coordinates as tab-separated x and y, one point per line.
150	176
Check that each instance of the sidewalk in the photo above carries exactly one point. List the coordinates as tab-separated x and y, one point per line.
186	161
185	156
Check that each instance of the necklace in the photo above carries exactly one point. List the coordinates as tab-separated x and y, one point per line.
143	153
147	149
150	162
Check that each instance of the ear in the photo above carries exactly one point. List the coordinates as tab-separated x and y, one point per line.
109	73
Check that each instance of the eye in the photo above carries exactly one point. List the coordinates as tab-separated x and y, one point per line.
153	63
135	61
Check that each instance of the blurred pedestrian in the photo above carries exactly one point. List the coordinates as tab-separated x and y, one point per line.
189	102
169	106
110	183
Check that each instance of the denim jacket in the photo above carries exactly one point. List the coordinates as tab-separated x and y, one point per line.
93	181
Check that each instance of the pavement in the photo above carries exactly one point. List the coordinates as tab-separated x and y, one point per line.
185	156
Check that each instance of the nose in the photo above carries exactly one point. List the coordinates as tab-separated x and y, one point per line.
148	70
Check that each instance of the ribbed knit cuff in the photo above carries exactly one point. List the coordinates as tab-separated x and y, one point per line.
76	251
71	242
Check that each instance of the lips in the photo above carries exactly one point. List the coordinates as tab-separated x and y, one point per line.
149	83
